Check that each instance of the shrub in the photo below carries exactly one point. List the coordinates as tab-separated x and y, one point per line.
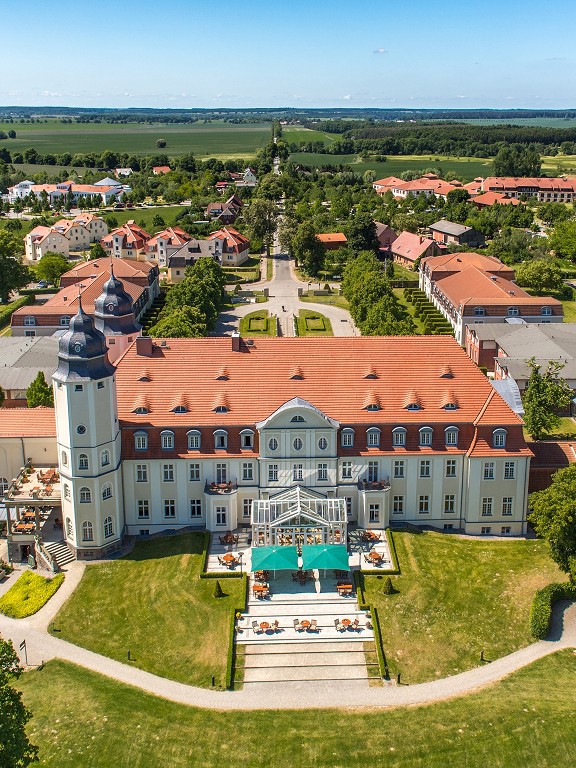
541	610
30	593
388	588
218	591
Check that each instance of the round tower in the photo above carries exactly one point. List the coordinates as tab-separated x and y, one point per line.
114	316
88	436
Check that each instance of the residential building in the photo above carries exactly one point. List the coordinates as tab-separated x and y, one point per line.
505	348
494	198
127	242
473	295
160	170
226	212
332	241
433	270
118	172
561	190
386	236
235	247
41	240
384	185
22	360
408	248
65	236
162	246
450	233
108	192
189	254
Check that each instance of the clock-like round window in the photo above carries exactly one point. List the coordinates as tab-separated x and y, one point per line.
273	444
77	348
81	429
110	307
297	444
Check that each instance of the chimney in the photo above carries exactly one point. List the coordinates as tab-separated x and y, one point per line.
236	340
144	346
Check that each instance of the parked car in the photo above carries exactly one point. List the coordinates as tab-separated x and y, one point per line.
42	284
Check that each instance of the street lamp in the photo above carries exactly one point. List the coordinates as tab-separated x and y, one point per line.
240	556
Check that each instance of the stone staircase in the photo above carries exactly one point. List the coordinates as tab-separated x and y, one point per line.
60	552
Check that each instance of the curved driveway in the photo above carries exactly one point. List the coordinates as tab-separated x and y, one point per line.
322	694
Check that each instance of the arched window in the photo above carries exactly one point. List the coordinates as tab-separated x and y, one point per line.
180	409
247	438
298	418
499	438
273	444
194	440
322	443
85	495
82	461
221	438
546	311
4	485
87	531
106	491
141	410
426	435
297	444
69	529
105	458
108	527
167	438
513	311
373	437
372	407
399	436
451	435
141	441
413	407
64	459
66	491
347	438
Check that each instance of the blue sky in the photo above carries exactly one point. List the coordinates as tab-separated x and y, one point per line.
313	53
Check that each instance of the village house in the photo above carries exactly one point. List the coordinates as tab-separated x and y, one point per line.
127	242
407	249
235	247
160	170
386	236
165	244
559	190
494	198
226	211
65	236
189	254
332	241
450	233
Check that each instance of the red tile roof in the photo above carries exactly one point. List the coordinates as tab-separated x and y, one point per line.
447	263
174	236
123	269
332	237
491	198
234	241
410	246
27	422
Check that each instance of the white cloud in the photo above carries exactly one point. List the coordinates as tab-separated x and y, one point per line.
347	97
381	51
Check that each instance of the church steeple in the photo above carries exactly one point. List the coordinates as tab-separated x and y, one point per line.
82	351
114	310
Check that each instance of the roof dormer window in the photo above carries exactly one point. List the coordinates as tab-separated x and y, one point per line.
372	407
180	409
141	410
221	409
298	419
413	407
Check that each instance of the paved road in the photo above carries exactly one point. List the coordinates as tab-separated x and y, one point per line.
284	302
324	694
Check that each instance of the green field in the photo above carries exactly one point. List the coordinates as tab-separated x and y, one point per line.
83	719
455	598
466	167
153	603
543	122
292	133
210	140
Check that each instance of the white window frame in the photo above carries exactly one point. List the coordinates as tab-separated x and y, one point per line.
451	436
346	468
451	468
399	469
141	441
221	439
83	463
297	473
488	470
322	472
247	471
508	506
487	506
247	439
499	438
347	438
449	503
87	531
106	491
272	473
195	508
141	473
108	527
374	512
85	495
104	458
424	505
168	473
169	506
373	471
426	436
143	509
373	437
194	439
167	440
399	437
221	515
193	472
509	470
398	505
246	509
425	468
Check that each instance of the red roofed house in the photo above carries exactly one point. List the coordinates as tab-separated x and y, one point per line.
386	236
332	241
407	248
384	185
494	198
65	236
471	294
560	190
159	170
164	244
236	249
128	241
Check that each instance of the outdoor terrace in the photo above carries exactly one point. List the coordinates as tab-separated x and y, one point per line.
34	485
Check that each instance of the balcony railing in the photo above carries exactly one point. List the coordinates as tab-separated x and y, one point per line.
374	485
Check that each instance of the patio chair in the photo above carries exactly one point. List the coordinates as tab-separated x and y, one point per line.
313	626
338	626
369	624
356	623
257	629
276	625
222	561
297	626
222	539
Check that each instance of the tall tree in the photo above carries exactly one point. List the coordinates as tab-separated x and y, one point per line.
39	393
307	249
261	219
13	274
97	251
362	233
16	751
540	275
182	323
516	160
546	394
553	516
51	267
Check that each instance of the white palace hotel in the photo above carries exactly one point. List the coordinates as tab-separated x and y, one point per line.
273	433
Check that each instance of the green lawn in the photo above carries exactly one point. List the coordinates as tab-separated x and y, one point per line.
409	307
566	430
146	215
466	167
250	270
153	603
332	299
259	323
455	598
211	140
312	323
28	594
83	719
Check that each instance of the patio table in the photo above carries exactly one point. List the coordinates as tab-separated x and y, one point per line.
305	623
264	625
346	622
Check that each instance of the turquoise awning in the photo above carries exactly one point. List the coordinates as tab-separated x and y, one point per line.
274	558
325	556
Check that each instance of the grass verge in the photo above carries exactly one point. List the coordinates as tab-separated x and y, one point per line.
153	603
28	594
525	719
455	598
259	323
311	323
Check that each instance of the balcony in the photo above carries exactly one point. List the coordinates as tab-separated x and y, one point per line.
217	489
374	485
40	485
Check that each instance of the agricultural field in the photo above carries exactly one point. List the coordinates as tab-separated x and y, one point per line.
203	140
292	133
466	167
83	719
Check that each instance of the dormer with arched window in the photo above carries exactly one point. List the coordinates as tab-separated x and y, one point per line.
499	438
399	436
451	436
426	434
221	439
373	437
167	440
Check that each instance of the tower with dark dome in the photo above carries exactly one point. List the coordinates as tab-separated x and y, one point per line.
88	436
114	316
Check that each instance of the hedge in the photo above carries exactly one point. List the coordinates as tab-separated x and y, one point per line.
231	658
7	312
34	291
363	606
541	611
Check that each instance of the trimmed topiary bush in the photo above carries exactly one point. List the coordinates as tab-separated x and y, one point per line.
388	587
218	591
